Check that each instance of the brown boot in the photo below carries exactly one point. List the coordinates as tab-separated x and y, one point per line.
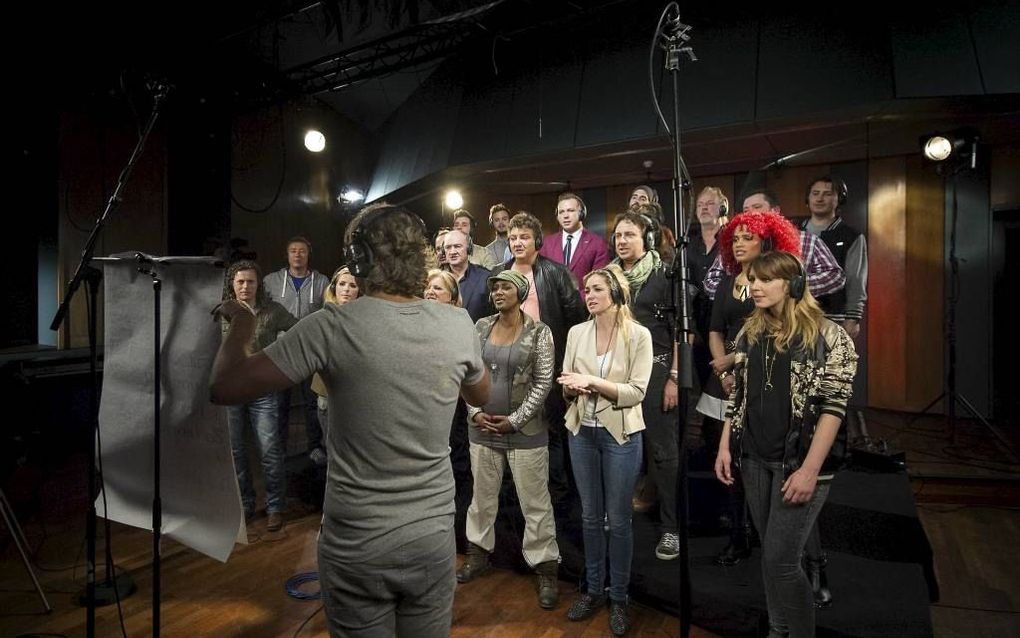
476	564
548	584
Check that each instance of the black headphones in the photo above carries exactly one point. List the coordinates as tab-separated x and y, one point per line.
470	245
838	185
651	235
582	214
359	254
492	212
799	283
722	209
615	292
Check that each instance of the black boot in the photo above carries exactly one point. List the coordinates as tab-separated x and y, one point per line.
815	569
737	550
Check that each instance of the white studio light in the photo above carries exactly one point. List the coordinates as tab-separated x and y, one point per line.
938	148
315	141
454	200
351	196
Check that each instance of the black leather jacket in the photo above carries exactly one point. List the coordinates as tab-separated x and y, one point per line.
559	302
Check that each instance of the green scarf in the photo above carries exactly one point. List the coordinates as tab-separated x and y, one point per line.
638	275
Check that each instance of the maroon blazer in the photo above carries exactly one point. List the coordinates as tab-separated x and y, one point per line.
590	253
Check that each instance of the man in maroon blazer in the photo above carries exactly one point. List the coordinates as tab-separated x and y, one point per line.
581	250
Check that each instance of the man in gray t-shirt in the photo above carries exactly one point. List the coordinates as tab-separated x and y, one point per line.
394	366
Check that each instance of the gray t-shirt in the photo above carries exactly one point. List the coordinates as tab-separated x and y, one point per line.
394	371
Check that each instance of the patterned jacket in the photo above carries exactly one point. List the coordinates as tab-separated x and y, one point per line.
532	380
820	381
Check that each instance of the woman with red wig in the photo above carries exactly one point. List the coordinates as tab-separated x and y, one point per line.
745	237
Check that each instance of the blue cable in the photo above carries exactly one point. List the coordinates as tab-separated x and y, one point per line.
293	586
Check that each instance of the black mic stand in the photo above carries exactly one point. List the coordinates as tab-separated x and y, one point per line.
678	314
120	586
147	267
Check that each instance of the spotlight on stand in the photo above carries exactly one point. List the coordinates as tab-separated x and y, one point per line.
315	141
453	199
958	147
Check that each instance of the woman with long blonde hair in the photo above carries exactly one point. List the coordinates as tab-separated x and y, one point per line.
606	367
793	372
343	288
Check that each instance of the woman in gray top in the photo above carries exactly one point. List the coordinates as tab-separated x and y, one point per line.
511	429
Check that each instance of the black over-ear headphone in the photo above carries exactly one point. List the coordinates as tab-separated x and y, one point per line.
359	254
615	292
651	235
799	283
838	185
582	213
470	245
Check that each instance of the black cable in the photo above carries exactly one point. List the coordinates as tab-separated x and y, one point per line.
283	172
305	622
102	490
982	609
651	66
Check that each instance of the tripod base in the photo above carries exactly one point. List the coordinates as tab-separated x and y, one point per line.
108	593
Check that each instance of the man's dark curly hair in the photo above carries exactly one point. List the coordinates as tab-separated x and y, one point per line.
399	251
261	296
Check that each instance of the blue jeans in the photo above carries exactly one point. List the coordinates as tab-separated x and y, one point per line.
313	429
263	415
784	529
606	472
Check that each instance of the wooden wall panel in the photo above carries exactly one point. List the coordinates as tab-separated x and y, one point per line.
887	321
923	302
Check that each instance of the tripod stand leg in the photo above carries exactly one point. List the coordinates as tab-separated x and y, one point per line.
924	411
19	540
994	430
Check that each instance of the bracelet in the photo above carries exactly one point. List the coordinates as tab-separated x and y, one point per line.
725	373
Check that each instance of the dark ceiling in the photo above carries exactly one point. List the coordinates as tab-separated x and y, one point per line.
364	58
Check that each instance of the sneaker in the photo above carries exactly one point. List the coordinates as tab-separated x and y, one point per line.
318	456
619	619
668	547
585	606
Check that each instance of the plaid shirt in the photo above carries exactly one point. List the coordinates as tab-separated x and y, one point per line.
824	276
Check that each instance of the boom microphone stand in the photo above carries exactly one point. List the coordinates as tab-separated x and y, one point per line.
120	586
672	36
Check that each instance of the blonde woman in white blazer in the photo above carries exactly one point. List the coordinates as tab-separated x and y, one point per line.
606	367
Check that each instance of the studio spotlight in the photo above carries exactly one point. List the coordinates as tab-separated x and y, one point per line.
453	200
315	141
938	148
958	146
351	196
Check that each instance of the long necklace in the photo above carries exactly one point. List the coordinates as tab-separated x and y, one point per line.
767	365
494	367
743	290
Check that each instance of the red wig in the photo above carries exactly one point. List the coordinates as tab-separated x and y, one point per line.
768	225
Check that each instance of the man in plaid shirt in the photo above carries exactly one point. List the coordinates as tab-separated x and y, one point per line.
824	275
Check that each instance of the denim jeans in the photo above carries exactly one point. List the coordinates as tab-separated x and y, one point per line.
606	472
313	429
784	529
263	414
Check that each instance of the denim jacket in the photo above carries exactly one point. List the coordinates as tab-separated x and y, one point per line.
820	383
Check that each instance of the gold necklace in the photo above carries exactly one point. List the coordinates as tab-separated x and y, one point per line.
767	365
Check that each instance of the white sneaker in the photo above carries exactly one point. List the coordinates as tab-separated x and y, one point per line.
668	547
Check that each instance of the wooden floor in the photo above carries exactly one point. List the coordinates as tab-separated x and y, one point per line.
967	492
245	597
